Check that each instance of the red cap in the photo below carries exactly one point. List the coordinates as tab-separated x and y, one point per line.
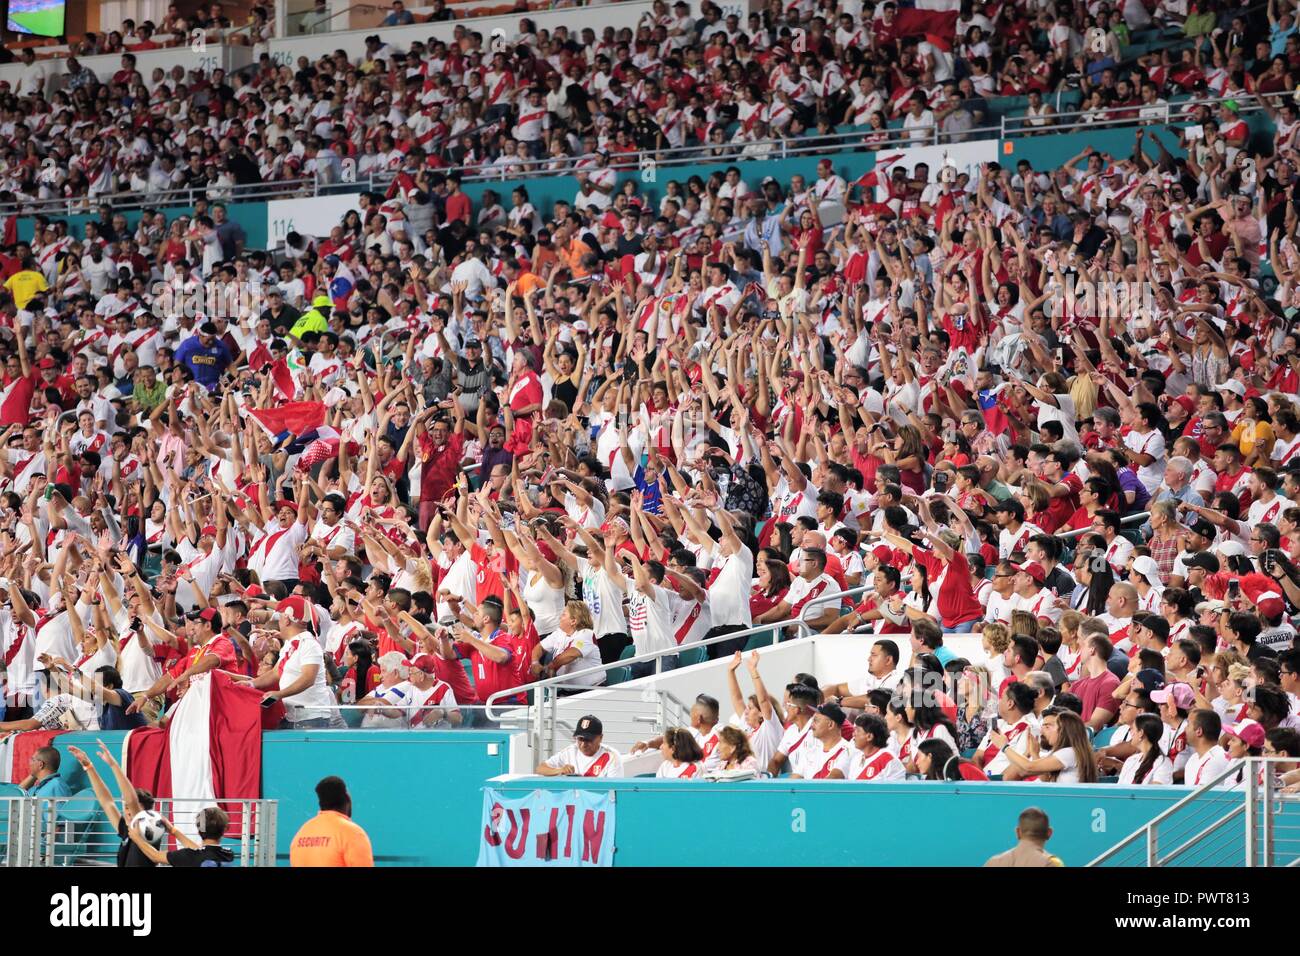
286	503
1270	607
1034	570
298	608
207	614
209	530
253	591
47	362
883	552
426	663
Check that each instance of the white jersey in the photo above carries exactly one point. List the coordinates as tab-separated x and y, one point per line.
606	762
881	767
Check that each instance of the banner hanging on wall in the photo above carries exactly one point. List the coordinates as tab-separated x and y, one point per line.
547	828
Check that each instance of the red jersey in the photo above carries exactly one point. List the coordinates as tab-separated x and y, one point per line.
491	677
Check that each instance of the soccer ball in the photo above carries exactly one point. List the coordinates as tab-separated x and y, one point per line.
149	824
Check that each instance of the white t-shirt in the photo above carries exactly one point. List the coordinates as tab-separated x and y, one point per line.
297	655
1161	772
611	762
1201	769
729	592
650	619
881	767
557	642
795	744
819	761
1153	444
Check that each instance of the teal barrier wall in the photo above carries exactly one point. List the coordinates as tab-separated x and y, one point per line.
418	795
1054	149
545	191
250	215
805	823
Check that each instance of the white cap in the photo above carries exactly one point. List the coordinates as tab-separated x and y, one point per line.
1230	548
1146	566
1232	385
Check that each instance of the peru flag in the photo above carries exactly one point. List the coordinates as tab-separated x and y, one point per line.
919	17
291	420
210	749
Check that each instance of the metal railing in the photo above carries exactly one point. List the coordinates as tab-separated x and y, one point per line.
540	719
73	831
1134	519
1167	112
1261	827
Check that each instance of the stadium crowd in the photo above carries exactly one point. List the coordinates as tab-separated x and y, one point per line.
449	449
548	99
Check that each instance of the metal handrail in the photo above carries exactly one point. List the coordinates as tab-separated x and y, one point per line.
657	656
1148	831
181	196
1138	518
1170	109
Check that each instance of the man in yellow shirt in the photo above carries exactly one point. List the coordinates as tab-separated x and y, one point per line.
331	838
25	284
315	319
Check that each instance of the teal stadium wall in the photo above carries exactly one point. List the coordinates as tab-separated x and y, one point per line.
806	823
420	797
250	215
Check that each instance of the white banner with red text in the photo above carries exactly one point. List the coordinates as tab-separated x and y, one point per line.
548	828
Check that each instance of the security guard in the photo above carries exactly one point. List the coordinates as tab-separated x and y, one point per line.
1033	832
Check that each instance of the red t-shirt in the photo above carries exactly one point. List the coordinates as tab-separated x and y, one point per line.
957	602
454	674
490	677
459	207
1096	692
440	465
489	580
1061	509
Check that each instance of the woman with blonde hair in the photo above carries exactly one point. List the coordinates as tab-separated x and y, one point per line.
734	749
570	648
1068	652
682	755
1070	759
995	639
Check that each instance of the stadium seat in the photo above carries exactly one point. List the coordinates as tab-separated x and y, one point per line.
617	675
692	655
765	639
629	651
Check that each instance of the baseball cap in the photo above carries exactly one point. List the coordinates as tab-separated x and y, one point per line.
207	614
425	662
208	530
1270	605
1249	732
1150	679
1146	566
1231	385
589	728
1034	570
331	260
47	362
1231	549
1214	607
1181	693
581	326
1203	560
832	712
1205	530
208	328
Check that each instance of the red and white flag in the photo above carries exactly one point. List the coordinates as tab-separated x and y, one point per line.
293	418
917	17
875	176
210	750
283	379
16	753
